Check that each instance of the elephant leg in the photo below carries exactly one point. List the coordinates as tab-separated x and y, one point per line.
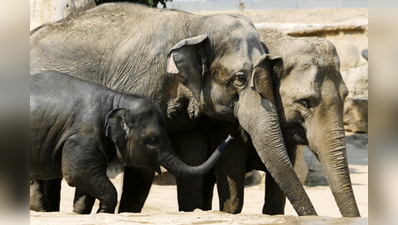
83	202
85	169
189	194
192	147
45	195
95	185
53	194
208	190
37	199
136	185
230	172
275	199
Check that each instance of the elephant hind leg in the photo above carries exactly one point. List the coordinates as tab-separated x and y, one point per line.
45	195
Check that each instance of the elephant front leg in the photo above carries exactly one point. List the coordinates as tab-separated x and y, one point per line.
230	172
85	169
190	194
275	199
192	147
83	202
136	185
92	185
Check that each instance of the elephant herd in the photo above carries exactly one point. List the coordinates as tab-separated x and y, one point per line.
152	87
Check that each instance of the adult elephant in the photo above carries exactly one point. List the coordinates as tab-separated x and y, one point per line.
309	94
190	65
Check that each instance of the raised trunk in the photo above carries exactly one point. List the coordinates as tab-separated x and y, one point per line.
333	158
173	163
262	124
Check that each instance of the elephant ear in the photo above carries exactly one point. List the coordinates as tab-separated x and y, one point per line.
116	129
187	60
261	80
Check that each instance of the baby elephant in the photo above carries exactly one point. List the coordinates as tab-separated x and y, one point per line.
77	127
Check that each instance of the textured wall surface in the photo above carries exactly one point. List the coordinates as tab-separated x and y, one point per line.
44	11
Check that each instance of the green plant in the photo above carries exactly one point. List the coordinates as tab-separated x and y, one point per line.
241	5
151	3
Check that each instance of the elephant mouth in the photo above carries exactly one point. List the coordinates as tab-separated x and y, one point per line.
227	110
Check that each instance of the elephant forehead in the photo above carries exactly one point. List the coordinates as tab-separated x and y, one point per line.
226	67
237	55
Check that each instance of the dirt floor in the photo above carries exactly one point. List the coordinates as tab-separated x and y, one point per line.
161	206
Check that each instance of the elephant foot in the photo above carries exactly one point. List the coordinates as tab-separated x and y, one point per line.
273	210
83	203
106	209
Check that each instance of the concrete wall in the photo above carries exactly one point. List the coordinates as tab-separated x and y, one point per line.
44	11
191	5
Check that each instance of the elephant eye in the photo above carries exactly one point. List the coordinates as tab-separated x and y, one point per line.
153	141
239	79
304	103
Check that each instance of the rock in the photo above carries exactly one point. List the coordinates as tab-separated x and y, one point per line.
300	166
356	80
315	29
365	53
348	53
166	178
356	104
356	114
254	178
45	11
113	169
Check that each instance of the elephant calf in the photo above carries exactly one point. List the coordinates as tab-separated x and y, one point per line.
77	127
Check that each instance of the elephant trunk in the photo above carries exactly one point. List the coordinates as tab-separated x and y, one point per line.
262	124
174	164
335	166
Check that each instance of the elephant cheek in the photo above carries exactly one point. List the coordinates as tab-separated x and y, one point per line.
222	100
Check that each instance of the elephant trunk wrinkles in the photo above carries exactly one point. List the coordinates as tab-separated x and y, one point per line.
174	164
262	124
335	166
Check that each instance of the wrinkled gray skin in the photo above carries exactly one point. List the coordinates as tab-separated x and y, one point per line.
309	93
190	65
77	127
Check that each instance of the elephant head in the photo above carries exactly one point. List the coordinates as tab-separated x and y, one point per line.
227	72
139	133
310	93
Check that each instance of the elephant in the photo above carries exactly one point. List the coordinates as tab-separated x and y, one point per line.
309	94
193	67
77	127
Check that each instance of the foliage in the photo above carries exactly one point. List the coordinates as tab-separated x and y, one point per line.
241	5
151	3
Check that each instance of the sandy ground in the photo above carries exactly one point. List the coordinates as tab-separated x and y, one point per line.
161	206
